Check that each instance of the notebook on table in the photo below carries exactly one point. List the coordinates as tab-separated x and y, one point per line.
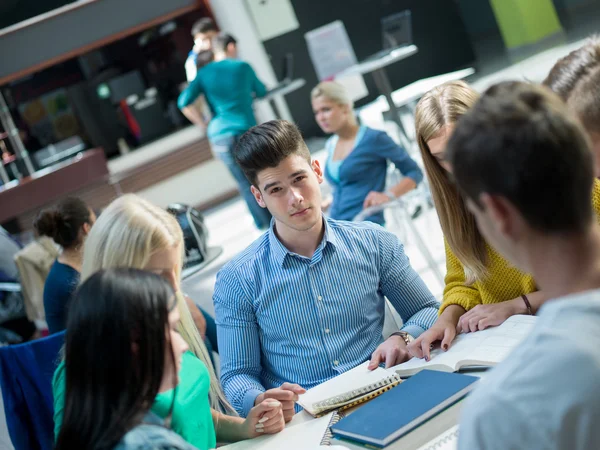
482	348
348	390
401	410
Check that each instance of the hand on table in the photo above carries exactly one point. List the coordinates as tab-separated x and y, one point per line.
287	395
485	316
264	418
393	351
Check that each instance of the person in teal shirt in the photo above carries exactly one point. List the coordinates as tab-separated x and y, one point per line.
229	86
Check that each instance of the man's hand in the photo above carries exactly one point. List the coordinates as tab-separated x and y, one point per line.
264	418
485	316
287	395
393	351
376	198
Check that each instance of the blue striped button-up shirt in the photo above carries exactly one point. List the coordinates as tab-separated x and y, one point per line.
284	317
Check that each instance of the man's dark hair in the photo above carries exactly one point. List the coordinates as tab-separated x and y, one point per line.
569	70
265	146
203	25
221	41
519	141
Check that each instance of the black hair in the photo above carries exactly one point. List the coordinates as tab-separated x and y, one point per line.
116	342
203	58
63	222
221	41
519	141
203	25
268	144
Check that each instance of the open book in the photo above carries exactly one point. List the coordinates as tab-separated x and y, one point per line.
348	389
482	348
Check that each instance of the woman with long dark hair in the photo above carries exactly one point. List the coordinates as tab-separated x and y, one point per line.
122	348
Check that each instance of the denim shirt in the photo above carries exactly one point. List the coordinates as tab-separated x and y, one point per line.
151	434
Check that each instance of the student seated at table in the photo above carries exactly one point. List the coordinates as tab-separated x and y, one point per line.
482	289
305	301
357	157
545	394
68	224
123	348
230	87
576	79
132	232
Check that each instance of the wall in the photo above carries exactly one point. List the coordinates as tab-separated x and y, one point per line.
438	31
67	32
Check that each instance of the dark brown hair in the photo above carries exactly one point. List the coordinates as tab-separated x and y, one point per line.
519	141
268	144
221	41
63	222
584	101
203	25
569	70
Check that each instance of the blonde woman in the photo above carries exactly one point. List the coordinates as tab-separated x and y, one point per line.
357	157
482	288
134	233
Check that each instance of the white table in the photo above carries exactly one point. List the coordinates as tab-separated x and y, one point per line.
377	68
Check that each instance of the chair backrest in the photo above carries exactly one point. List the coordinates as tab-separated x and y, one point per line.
26	372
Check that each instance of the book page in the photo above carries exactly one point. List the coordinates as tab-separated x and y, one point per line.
354	379
487	347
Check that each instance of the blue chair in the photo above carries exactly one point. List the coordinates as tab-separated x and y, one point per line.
26	372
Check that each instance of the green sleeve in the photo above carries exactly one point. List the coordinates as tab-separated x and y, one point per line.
58	391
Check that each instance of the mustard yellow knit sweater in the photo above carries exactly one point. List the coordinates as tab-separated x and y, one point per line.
503	281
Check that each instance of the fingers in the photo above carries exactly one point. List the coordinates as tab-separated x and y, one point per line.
296	388
268	407
271	417
426	349
281	395
415	348
275	427
376	359
449	335
484	323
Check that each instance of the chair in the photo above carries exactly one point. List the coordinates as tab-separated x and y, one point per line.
26	372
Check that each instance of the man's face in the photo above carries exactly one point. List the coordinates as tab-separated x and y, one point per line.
291	192
203	41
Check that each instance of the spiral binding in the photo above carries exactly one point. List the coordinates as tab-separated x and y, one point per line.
328	436
444	439
347	396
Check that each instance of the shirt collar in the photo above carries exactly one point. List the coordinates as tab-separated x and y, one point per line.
280	252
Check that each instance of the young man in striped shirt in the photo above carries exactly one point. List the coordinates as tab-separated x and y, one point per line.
305	302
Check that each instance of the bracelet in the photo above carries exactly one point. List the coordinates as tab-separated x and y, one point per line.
404	335
527	304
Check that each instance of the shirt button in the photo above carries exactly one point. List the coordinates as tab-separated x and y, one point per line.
336	363
327	330
319	298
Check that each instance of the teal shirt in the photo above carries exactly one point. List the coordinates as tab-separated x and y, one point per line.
230	87
192	417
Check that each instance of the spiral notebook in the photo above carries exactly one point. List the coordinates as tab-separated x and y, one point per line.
347	390
445	441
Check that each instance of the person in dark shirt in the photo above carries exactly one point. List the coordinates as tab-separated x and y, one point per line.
67	224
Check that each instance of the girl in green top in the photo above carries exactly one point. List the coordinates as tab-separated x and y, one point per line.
132	232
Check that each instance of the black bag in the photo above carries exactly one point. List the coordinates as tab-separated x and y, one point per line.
195	233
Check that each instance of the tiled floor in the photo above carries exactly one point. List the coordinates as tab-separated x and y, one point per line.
231	225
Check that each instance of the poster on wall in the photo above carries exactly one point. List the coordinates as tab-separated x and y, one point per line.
331	53
272	18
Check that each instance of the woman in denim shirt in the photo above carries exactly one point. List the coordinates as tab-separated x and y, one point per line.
358	157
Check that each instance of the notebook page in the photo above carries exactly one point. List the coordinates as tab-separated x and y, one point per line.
352	380
489	346
304	436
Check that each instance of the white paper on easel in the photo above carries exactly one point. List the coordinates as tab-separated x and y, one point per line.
331	53
272	17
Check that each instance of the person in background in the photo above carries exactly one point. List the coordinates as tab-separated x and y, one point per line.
545	394
202	32
12	308
132	232
306	301
482	289
576	79
358	157
229	86
68	224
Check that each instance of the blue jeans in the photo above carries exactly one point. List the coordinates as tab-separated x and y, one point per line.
223	149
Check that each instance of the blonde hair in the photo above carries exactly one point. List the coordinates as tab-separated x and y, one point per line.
126	234
439	108
332	91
